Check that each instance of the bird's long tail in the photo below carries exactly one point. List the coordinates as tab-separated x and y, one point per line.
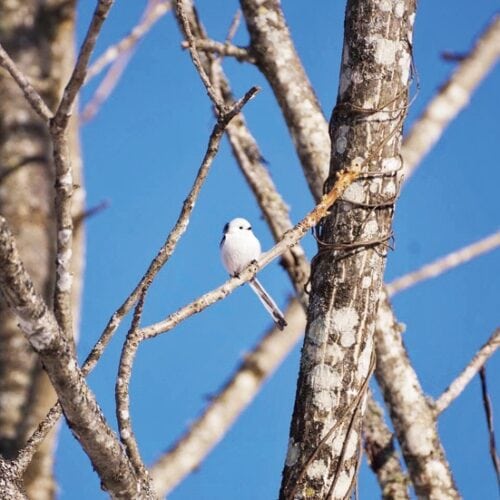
268	303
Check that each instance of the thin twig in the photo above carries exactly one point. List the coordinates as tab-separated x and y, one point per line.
31	95
105	88
63	172
80	70
90	212
212	92
25	455
122	396
154	12
458	385
488	410
233	27
226	49
452	97
119	56
444	264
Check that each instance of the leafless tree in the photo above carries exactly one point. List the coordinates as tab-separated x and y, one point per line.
354	167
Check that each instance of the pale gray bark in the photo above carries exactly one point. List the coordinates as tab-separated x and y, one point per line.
413	417
470	371
39	38
337	357
382	455
275	54
26	201
58	356
10	484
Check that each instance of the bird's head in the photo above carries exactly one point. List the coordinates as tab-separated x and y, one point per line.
237	225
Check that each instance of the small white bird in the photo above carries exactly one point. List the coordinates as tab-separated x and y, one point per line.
238	248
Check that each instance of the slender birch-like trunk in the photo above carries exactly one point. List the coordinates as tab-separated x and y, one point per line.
338	357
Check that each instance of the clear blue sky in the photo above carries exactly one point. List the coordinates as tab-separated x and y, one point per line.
142	152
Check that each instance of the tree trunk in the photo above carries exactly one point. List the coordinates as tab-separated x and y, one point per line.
337	357
39	37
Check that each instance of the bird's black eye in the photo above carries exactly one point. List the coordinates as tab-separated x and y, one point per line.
241	227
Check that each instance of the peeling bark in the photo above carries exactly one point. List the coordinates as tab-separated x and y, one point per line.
337	357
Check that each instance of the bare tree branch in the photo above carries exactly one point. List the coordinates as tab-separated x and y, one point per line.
289	239
122	398
64	176
273	48
411	414
452	97
488	410
382	455
31	95
11	484
90	212
233	28
25	456
458	385
180	9
154	11
226	49
225	407
119	55
58	356
444	264
105	88
161	258
80	70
